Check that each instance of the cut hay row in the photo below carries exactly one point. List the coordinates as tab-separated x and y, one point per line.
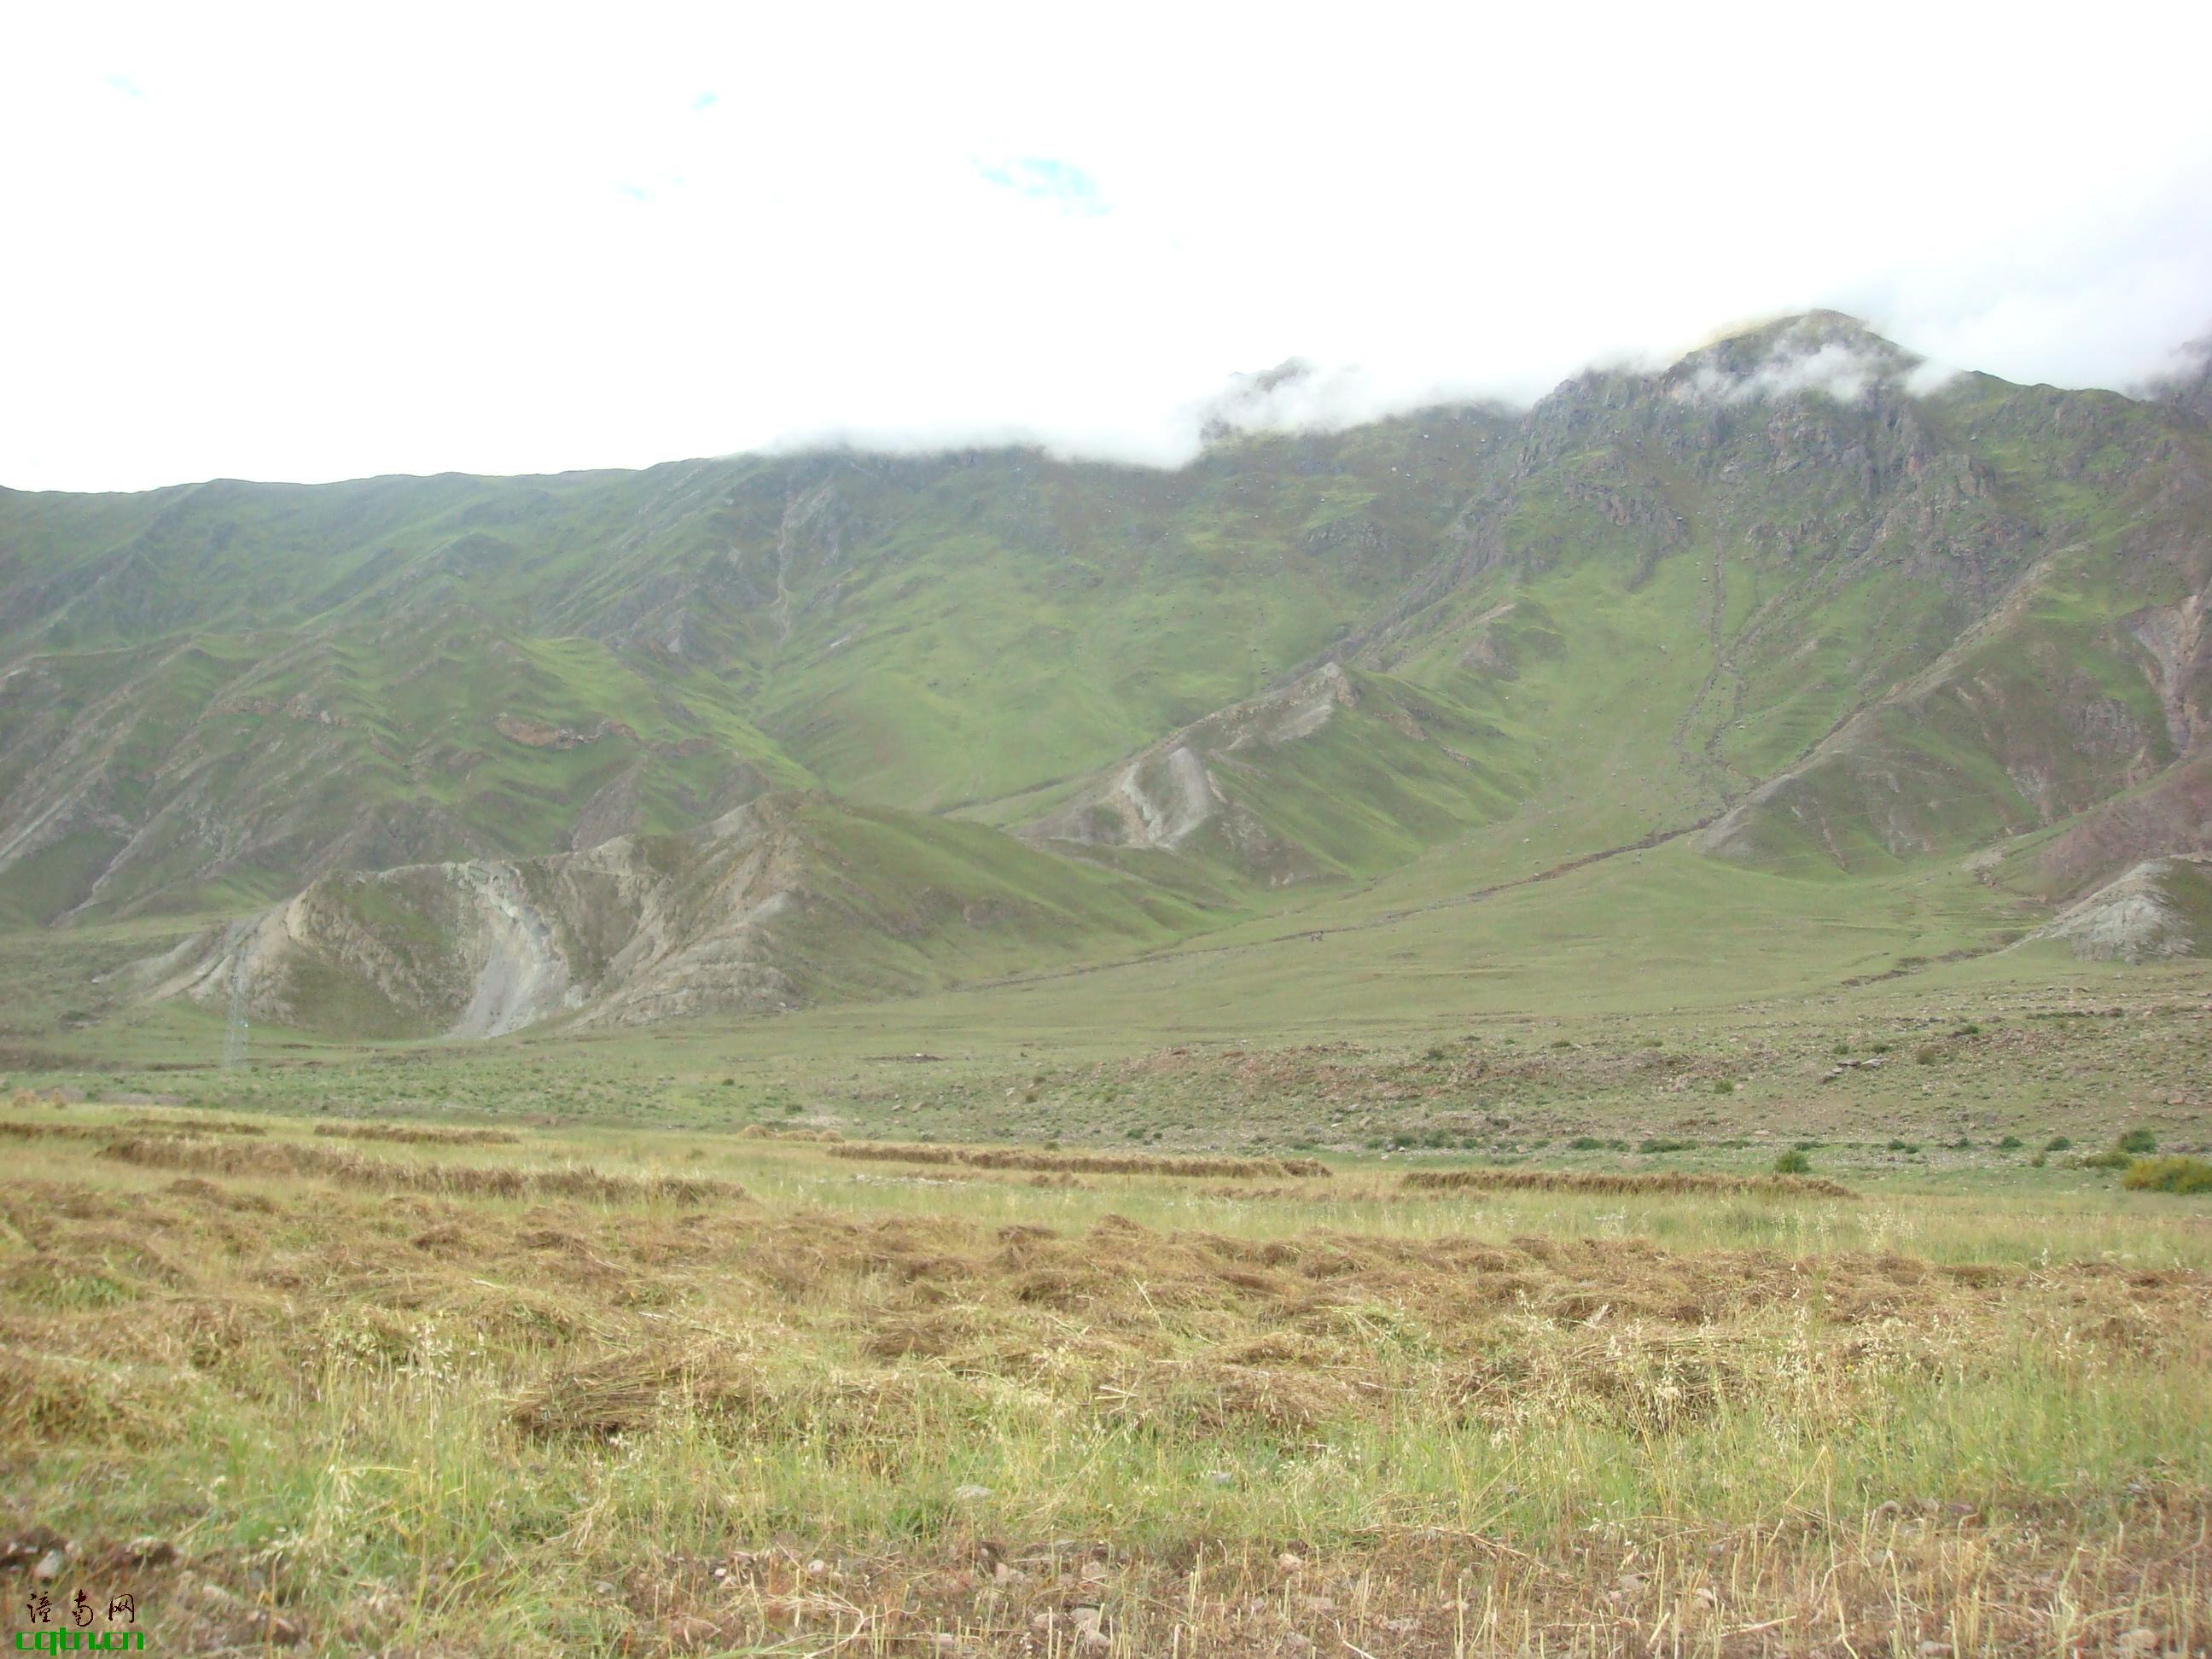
189	1126
17	1129
386	1174
1017	1158
1655	1182
14	1129
762	1132
418	1132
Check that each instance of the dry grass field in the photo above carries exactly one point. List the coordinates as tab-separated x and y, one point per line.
647	1392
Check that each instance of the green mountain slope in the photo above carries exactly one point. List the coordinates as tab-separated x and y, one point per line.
1787	597
179	665
1335	774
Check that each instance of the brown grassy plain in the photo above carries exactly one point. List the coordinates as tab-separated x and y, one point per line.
678	1393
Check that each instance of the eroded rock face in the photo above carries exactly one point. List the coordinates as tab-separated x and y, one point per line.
631	930
2161	909
1165	795
2171	816
2180	645
789	900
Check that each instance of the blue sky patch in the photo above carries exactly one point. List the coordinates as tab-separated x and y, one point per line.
1046	179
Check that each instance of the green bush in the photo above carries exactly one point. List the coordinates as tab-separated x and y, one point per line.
1584	1144
2058	1144
1793	1162
1927	1054
2009	1144
1659	1144
2137	1141
2169	1174
1724	1087
2115	1159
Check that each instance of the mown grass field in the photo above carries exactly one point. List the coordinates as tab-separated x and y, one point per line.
433	1389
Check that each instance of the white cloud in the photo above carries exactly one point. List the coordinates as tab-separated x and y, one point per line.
311	242
1807	356
1929	377
1834	369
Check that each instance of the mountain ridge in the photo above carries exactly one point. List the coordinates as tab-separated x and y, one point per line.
1848	613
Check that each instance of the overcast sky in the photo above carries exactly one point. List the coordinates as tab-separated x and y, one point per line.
323	242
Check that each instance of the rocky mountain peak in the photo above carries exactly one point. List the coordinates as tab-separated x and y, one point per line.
1822	352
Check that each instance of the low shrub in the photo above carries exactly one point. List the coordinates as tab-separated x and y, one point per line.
2169	1174
1793	1162
2138	1142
